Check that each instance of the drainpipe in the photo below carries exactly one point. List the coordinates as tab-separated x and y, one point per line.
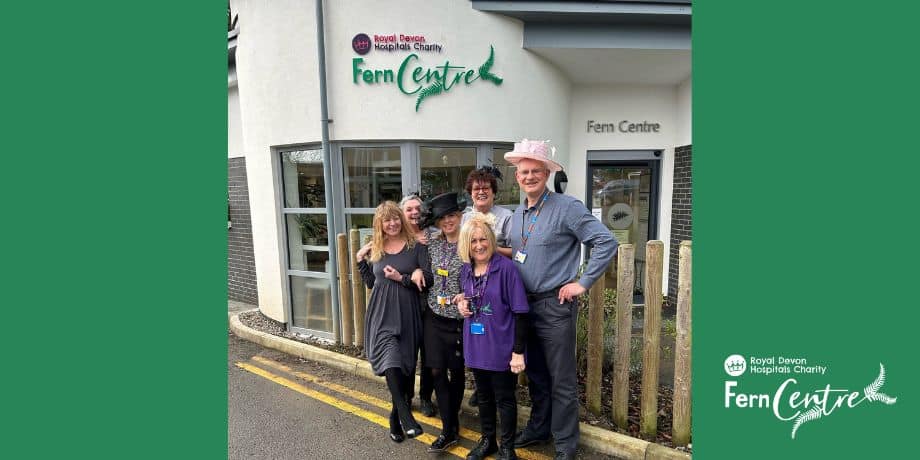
327	168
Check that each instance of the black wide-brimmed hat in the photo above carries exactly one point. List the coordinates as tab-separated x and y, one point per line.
443	205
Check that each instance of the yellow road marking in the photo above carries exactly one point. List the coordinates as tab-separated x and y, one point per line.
425	438
386	405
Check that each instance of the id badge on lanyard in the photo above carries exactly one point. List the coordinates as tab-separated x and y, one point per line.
520	257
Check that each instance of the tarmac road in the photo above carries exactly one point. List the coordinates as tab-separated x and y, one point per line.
282	407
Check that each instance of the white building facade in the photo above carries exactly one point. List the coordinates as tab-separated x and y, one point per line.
420	92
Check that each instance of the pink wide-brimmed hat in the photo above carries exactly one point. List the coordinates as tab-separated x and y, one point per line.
534	150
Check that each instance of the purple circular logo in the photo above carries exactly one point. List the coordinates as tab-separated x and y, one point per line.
361	43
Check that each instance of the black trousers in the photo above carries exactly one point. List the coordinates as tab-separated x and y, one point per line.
496	394
444	355
551	372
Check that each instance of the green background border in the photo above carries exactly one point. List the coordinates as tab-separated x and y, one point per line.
804	182
115	171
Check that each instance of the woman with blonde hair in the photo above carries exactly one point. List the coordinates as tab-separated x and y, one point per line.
396	268
494	305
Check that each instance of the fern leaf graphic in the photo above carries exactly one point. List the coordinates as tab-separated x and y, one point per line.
432	90
812	414
877	384
484	69
872	391
883	398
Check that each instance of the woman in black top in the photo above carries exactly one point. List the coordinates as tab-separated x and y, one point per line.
396	268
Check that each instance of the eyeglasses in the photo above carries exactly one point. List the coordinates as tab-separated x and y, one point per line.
482	189
535	172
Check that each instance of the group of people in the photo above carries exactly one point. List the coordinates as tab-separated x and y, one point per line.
490	290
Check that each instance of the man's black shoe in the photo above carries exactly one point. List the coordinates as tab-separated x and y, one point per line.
483	449
524	439
442	443
506	452
427	408
564	456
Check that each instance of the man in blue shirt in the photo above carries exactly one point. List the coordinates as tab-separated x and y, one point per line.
547	230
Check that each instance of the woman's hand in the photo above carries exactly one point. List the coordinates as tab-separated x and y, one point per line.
392	274
517	363
421	237
463	306
362	253
419	279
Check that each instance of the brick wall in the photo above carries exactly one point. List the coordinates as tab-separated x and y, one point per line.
241	268
681	206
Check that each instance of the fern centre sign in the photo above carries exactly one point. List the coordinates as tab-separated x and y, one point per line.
794	401
412	78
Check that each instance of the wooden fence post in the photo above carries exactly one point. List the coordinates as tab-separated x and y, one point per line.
357	288
341	246
367	292
625	285
595	346
680	429
651	346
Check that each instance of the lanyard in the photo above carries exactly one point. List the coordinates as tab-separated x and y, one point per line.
483	282
533	221
446	260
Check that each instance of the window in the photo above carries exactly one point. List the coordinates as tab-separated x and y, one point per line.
444	169
509	193
305	217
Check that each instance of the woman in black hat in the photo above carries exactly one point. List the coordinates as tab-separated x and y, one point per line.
443	324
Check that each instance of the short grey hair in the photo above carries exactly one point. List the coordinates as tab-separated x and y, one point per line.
410	197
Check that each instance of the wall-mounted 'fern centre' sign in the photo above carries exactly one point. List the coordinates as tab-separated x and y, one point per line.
411	78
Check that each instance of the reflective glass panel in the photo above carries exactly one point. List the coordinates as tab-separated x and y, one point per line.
312	299
444	169
372	175
304	186
509	193
308	242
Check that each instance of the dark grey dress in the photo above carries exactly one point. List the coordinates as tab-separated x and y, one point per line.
393	327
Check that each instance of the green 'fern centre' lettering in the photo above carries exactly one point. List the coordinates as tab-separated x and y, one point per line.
424	81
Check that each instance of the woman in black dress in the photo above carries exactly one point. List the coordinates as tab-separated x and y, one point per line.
396	268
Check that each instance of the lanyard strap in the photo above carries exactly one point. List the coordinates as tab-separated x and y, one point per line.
484	281
444	261
533	221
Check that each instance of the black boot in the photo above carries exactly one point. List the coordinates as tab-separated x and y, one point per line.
396	432
506	451
483	449
401	403
427	407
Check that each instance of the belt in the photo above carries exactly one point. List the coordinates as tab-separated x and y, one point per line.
535	296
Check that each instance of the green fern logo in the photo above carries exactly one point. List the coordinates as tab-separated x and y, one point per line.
438	86
485	68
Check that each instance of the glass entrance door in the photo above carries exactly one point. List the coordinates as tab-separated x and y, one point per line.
624	196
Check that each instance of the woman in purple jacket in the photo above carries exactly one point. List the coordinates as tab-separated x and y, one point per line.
494	306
